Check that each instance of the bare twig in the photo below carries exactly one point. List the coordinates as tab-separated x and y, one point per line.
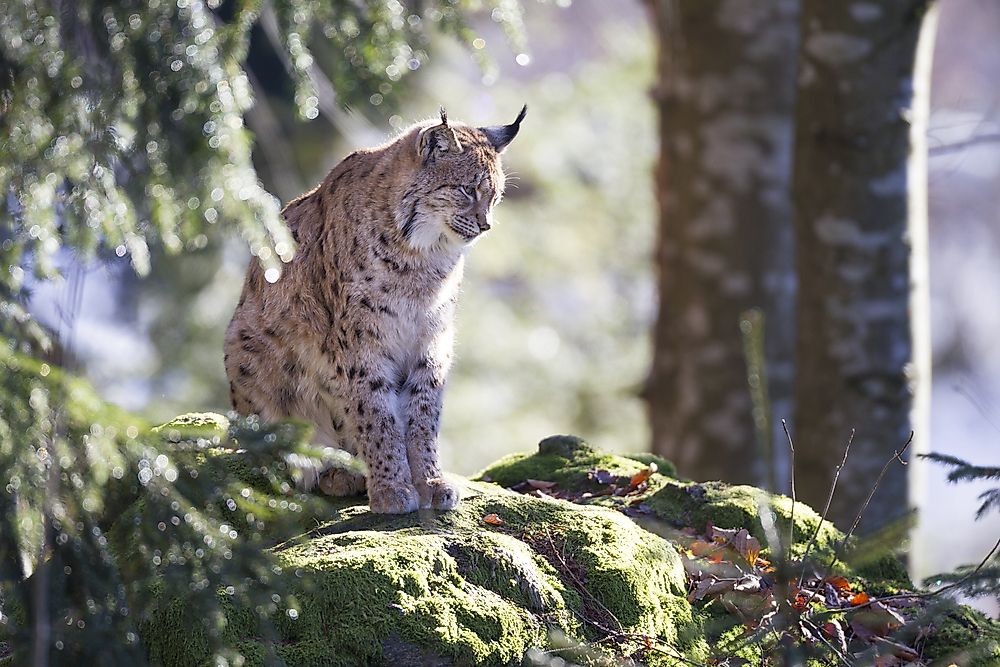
969	575
957	146
791	474
978	404
651	643
819	635
857	519
938	591
826	508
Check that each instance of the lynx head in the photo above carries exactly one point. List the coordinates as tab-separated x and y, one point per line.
457	181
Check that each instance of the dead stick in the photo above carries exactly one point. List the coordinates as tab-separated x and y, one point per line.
930	594
857	519
791	465
826	509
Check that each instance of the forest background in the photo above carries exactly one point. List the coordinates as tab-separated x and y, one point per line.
560	301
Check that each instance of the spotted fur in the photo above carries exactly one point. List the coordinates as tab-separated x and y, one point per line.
356	335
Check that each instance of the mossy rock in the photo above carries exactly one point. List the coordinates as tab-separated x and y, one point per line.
962	636
567	460
673	503
450	589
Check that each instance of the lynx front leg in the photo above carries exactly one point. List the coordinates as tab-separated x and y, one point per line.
380	439
423	397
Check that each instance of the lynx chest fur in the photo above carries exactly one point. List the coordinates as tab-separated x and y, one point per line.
356	335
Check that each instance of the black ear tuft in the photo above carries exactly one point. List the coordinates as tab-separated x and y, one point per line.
436	139
501	135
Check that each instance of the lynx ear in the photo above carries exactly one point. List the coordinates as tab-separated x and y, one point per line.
501	135
437	139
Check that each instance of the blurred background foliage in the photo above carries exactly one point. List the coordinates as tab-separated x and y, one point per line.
559	296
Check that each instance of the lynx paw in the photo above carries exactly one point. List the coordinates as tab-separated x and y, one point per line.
341	482
393	498
440	494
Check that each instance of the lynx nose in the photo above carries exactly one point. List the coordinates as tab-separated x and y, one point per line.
484	226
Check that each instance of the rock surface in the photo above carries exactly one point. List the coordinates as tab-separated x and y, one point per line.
568	553
517	578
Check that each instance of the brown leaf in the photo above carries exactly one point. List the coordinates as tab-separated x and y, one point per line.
701	548
745	544
493	520
904	652
875	620
838	582
642	476
830	596
800	600
539	484
859	599
834	630
712	586
749	583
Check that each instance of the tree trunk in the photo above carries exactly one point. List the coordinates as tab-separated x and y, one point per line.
860	227
726	73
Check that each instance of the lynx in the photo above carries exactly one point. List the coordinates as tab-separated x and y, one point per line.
356	334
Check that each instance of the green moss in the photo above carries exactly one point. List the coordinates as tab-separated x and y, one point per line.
663	466
447	586
687	504
885	575
739	642
962	636
567	460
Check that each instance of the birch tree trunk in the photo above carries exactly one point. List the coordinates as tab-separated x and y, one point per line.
860	228
726	72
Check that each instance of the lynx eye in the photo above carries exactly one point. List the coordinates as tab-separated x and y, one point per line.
467	193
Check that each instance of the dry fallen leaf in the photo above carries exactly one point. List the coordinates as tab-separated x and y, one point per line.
834	630
746	545
701	548
838	582
875	620
539	484
904	652
493	520
642	476
859	599
710	586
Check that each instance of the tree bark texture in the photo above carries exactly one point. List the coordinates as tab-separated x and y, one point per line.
726	79
860	250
